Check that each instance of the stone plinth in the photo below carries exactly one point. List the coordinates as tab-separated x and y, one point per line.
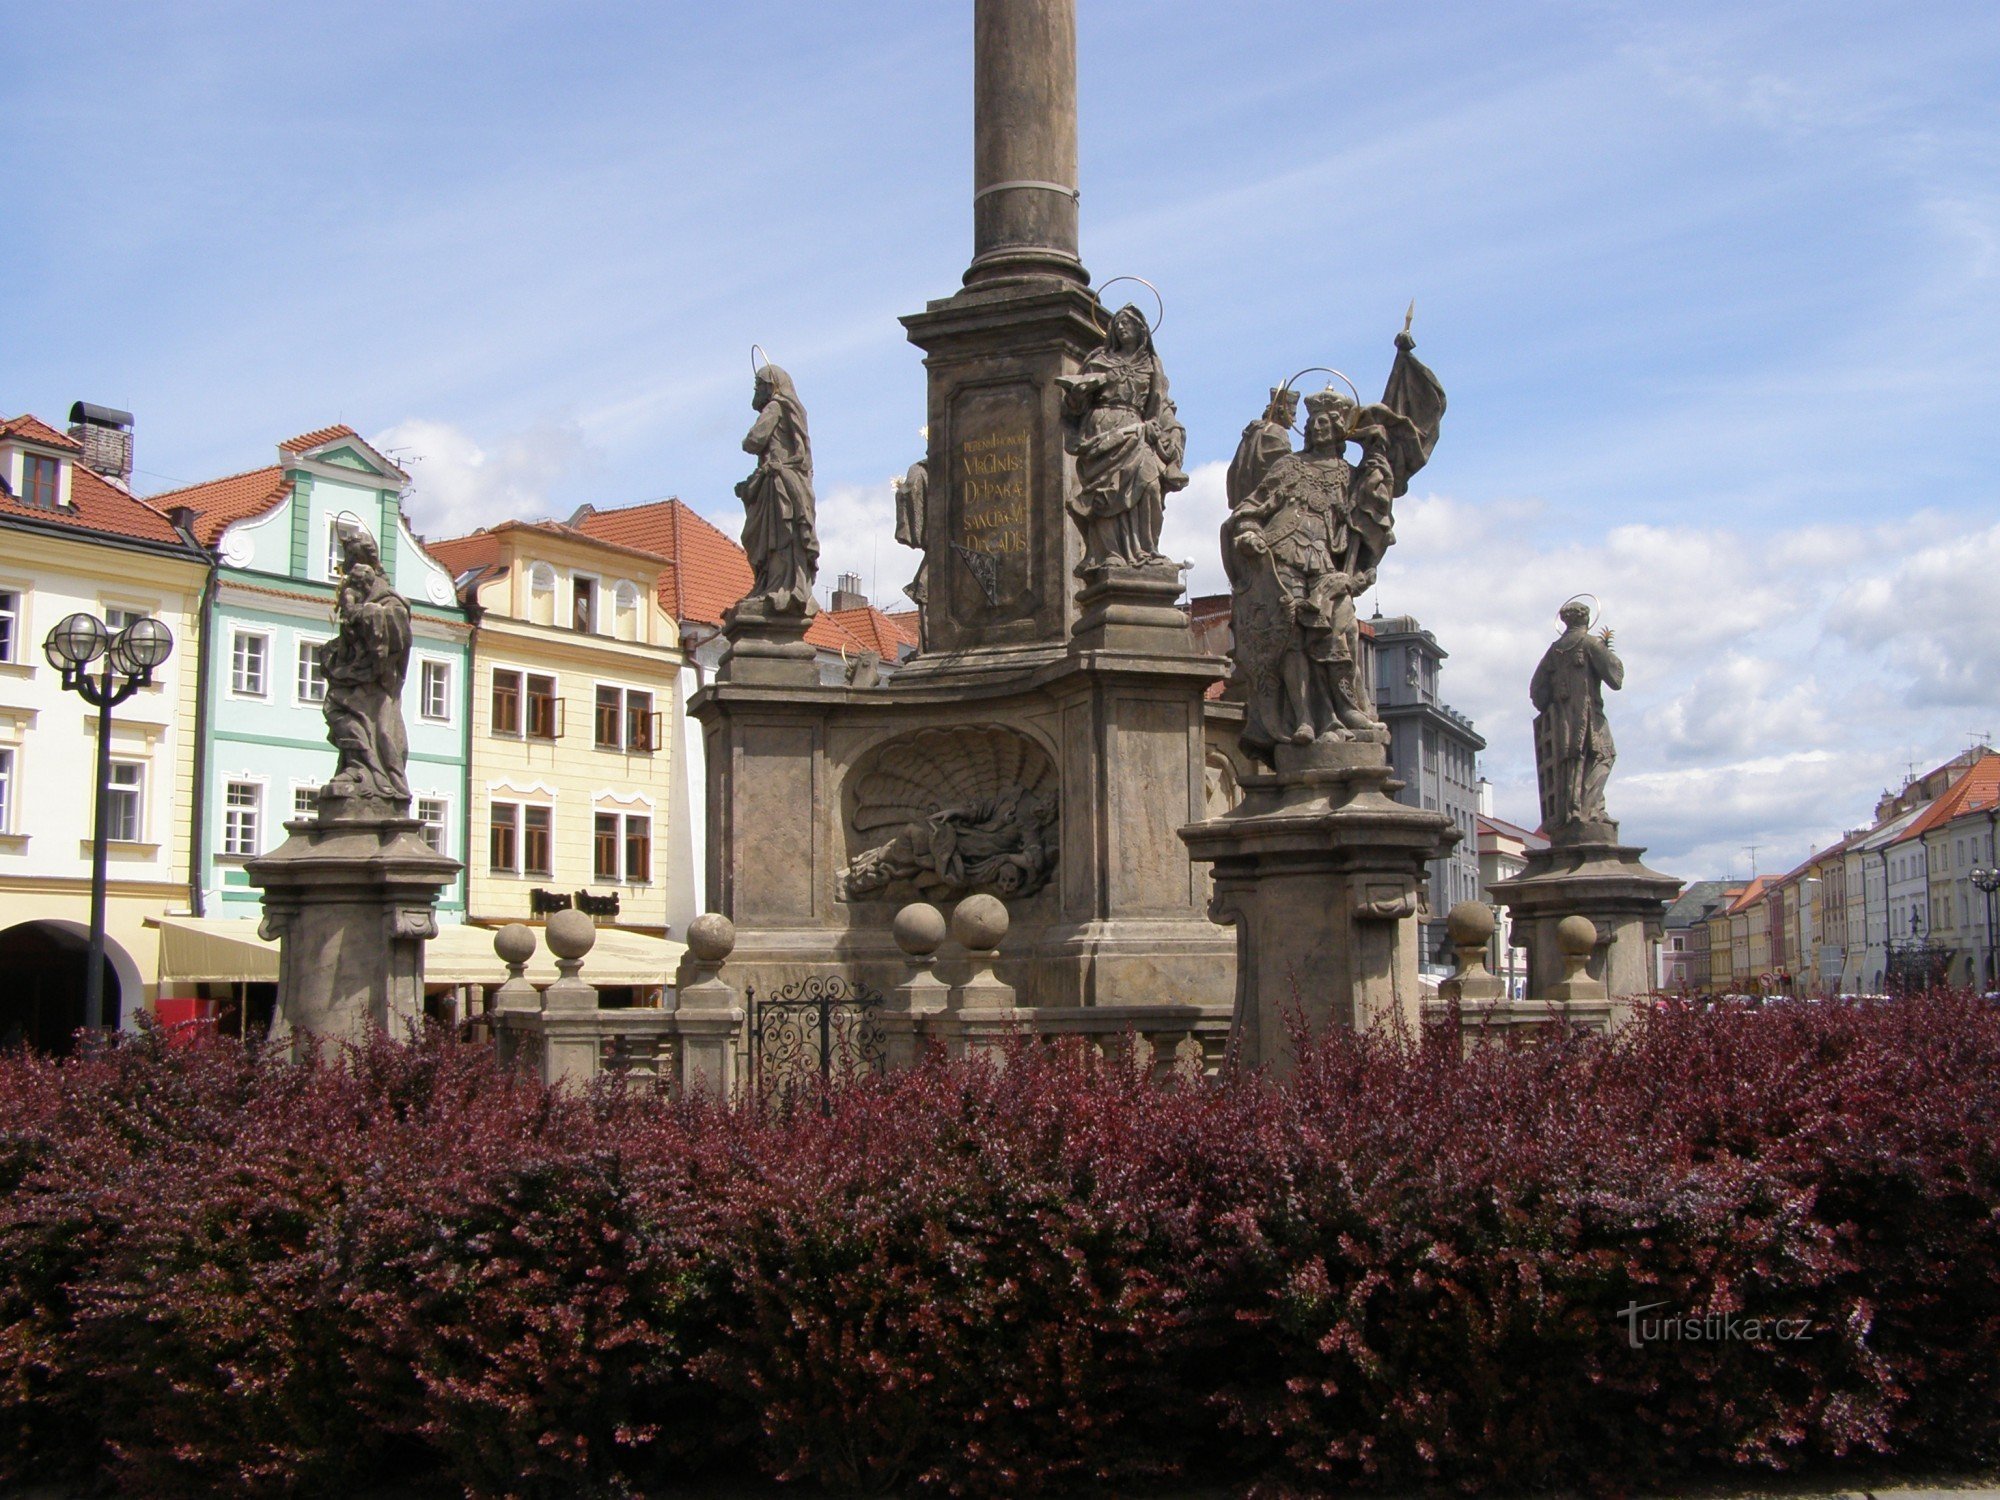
1586	872
1319	870
1132	609
351	897
708	1009
766	648
1111	744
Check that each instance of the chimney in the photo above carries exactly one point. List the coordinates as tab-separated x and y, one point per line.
182	519
847	592
106	435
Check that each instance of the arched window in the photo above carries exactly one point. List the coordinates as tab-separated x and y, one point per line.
346	523
625	612
542	594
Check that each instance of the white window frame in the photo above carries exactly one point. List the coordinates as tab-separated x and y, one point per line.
8	766
443	824
493	805
311	791
333	573
137	791
306	648
442	666
259	785
237	636
14	611
623	746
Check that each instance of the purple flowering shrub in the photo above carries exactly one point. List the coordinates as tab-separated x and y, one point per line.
1725	1239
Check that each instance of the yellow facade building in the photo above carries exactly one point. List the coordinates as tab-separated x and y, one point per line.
74	539
578	787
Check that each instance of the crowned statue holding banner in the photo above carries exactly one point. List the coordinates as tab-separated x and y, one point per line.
1305	533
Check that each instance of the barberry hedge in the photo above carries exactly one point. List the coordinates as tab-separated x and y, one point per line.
220	1272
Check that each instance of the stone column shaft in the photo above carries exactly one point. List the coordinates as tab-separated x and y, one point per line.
1024	219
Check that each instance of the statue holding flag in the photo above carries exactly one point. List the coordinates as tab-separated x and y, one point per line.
1305	534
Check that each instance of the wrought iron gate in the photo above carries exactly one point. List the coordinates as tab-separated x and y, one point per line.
812	1034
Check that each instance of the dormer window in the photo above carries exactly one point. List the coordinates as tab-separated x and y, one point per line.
583	597
41	481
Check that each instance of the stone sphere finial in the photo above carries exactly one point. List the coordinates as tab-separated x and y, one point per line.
980	922
711	937
1470	924
1576	936
919	928
514	945
570	934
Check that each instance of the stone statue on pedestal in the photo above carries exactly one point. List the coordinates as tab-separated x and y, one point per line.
364	666
1305	533
779	527
1573	748
1120	424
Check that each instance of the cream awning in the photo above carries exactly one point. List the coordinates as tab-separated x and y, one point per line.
226	949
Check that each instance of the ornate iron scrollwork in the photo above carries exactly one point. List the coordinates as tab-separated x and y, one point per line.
811	1036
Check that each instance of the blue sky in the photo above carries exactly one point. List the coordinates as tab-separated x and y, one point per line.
1715	291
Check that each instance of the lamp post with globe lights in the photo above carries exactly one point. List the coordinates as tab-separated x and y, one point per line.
129	659
1987	878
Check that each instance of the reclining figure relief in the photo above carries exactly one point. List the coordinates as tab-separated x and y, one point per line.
964	810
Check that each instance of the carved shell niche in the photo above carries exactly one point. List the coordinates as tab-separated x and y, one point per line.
915	775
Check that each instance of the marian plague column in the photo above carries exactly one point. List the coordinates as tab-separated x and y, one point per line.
1050	739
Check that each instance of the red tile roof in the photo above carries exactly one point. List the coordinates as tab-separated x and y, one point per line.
1749	896
35	430
462	554
873	630
220	502
706	570
483	551
96	505
308	440
1979	786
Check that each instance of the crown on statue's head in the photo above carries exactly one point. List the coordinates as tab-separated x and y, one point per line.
1330	403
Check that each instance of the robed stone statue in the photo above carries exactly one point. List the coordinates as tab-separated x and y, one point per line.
913	492
1305	533
779	526
1573	748
1120	424
364	666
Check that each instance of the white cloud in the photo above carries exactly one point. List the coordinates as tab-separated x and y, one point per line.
458	485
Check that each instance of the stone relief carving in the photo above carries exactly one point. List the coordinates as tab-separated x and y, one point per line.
946	813
1573	747
1303	538
1120	423
779	526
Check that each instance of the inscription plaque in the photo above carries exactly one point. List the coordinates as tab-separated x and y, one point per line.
991	511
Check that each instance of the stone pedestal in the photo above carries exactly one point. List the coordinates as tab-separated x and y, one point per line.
351	897
708	1010
572	1044
767	648
1586	872
914	1006
1319	870
1132	609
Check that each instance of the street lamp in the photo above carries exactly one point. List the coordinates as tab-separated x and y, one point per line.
129	658
1987	878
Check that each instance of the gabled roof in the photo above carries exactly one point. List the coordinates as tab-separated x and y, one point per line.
1532	839
1697	902
475	558
706	570
1750	895
871	630
33	429
317	438
218	503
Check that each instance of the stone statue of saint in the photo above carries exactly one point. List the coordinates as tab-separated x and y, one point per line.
364	666
1573	749
913	492
779	528
1305	533
1120	423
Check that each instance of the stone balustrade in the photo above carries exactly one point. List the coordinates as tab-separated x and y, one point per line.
1478	1001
